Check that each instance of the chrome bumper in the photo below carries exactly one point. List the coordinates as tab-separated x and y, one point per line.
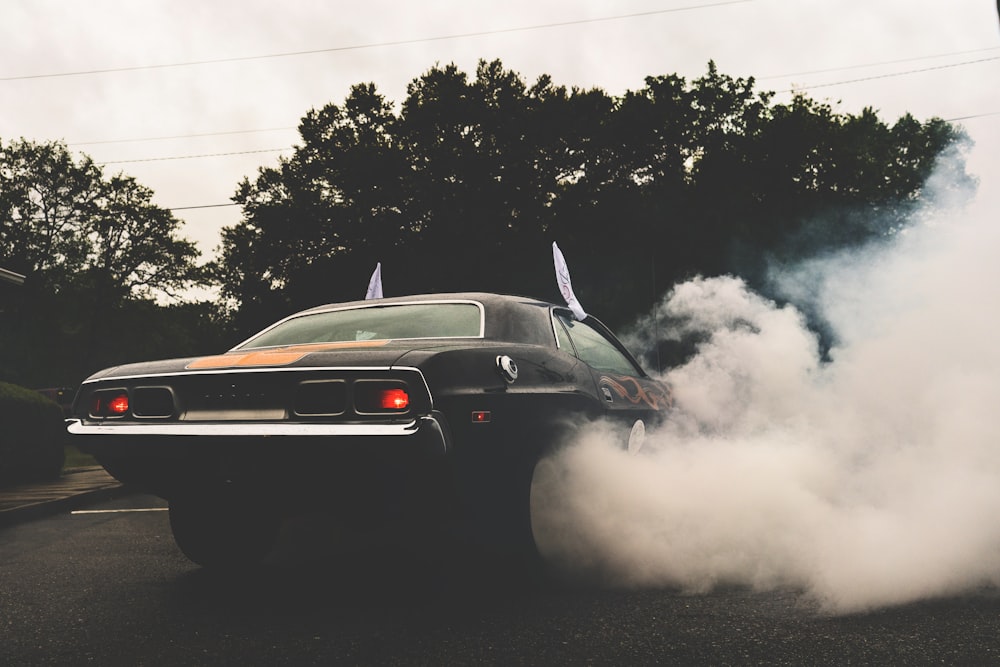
242	429
429	427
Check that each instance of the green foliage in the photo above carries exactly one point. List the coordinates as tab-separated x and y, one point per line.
77	459
32	437
465	187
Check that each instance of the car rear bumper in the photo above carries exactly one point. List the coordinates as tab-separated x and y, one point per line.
117	430
291	464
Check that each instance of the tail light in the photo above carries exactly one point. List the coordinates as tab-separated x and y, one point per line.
109	403
381	398
394	399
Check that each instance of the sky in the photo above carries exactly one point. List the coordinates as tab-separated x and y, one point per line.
191	97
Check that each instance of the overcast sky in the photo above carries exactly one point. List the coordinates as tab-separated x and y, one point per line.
191	96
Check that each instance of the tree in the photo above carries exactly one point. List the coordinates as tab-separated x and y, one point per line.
90	246
44	198
62	220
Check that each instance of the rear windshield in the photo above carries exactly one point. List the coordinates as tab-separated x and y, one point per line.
416	320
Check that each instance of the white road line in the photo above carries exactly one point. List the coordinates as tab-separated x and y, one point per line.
145	509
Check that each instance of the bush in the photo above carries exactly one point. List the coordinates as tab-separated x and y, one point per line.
32	436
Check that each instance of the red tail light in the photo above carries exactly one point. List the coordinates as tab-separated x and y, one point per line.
109	403
118	405
377	397
394	399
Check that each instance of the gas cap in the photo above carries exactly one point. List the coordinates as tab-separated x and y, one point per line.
507	368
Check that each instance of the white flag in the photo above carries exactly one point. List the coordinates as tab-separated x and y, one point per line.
375	284
565	284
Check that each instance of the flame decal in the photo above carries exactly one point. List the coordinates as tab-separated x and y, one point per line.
657	396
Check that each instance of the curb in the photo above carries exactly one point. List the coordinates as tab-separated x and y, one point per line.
42	509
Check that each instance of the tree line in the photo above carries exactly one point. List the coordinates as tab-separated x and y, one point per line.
463	186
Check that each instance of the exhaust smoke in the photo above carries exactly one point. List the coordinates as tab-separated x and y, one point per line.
866	477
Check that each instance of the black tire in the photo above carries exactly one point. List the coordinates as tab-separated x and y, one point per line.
220	531
500	530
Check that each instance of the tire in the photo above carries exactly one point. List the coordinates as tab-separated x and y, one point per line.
493	522
494	478
220	531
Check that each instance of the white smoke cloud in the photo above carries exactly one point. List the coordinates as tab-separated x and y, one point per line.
866	479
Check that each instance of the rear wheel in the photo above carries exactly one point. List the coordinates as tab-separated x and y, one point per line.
218	530
636	437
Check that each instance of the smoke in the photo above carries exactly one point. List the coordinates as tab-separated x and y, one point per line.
866	477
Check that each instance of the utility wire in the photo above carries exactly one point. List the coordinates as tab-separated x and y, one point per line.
876	64
888	76
374	45
178	136
977	115
189	208
190	157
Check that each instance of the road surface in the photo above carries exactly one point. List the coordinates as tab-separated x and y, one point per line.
110	588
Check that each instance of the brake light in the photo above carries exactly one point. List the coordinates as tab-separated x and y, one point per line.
374	397
394	399
118	405
109	404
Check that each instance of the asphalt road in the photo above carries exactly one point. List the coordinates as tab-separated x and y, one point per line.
112	589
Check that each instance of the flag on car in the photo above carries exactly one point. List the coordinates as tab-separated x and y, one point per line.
565	284
375	284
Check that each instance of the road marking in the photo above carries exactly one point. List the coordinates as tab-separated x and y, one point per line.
145	509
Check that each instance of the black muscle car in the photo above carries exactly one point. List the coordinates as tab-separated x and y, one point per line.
435	405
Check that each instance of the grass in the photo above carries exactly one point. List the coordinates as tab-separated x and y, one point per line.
77	459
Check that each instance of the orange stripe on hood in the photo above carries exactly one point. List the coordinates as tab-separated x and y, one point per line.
277	356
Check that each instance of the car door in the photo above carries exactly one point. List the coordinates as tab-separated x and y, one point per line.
629	396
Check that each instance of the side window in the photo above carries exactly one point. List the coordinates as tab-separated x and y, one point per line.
594	349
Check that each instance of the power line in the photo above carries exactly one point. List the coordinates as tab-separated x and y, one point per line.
889	76
189	208
977	115
877	64
178	136
190	157
374	45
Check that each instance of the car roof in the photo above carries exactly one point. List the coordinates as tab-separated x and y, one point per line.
488	299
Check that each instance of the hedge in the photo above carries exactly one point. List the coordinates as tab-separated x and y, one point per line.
32	436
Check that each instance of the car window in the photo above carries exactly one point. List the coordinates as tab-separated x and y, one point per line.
399	321
594	349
